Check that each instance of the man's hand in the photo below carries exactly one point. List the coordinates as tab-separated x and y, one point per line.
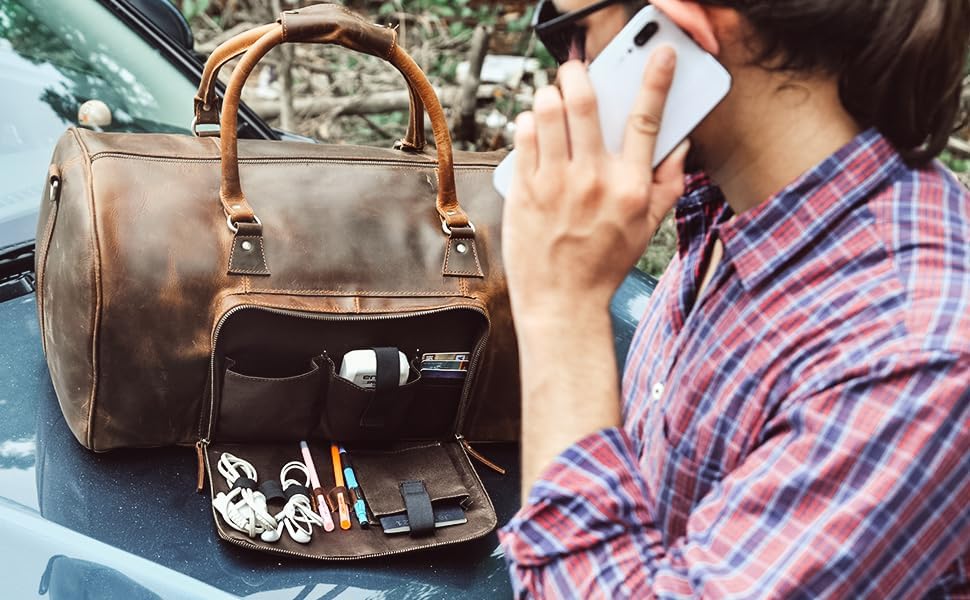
578	217
576	220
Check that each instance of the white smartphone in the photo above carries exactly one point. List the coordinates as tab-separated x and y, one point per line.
699	85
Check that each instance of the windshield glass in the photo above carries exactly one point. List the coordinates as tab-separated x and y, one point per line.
54	57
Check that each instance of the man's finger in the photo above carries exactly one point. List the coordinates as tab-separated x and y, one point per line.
582	117
527	160
550	127
640	137
672	168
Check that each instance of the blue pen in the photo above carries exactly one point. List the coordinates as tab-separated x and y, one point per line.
360	508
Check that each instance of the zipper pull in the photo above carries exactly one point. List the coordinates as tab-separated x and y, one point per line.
200	452
477	455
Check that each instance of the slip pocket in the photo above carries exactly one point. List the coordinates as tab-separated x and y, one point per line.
352	413
255	397
434	408
381	474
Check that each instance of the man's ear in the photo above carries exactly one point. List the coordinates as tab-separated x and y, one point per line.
691	17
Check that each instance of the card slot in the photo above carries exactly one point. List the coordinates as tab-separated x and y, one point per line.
257	407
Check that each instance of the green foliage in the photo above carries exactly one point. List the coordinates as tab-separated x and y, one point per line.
661	249
194	8
955	163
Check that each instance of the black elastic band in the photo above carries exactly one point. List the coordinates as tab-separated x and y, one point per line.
295	489
418	505
387	380
272	490
244	482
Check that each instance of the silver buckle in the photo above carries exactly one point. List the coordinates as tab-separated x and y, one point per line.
447	230
195	129
235	228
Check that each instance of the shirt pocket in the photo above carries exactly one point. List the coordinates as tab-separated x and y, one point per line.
684	482
714	431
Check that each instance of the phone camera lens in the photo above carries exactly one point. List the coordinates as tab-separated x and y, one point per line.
649	30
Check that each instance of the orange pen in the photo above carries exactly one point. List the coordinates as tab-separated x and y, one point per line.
343	509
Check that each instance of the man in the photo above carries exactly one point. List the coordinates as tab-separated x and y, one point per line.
795	415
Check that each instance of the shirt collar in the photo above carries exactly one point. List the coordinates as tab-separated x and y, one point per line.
761	241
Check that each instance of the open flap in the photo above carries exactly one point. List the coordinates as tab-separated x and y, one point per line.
444	469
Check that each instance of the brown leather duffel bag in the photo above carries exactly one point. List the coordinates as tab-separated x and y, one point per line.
172	268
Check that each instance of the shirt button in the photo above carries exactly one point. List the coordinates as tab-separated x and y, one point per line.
658	391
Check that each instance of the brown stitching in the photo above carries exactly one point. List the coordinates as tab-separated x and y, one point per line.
448	271
351	293
232	252
358	162
357	303
365	161
96	254
334	309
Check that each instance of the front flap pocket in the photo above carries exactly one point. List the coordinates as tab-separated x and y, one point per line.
443	469
267	387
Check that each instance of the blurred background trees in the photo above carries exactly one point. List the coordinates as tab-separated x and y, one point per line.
479	55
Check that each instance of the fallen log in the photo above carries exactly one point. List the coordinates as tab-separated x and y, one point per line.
375	103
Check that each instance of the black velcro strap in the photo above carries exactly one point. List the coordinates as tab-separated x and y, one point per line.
272	490
244	482
296	490
418	505
387	380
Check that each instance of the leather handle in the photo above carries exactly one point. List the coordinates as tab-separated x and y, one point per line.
208	105
333	24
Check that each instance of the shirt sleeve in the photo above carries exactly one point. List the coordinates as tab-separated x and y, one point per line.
858	489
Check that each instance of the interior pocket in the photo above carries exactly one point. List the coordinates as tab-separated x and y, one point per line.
381	475
272	346
270	404
353	413
434	408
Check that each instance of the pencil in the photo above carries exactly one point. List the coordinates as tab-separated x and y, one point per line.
317	490
338	477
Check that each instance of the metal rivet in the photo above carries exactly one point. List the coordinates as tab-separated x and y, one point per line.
246	245
461	248
450	212
236	206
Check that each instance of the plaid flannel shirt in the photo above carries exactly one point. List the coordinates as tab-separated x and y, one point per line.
800	431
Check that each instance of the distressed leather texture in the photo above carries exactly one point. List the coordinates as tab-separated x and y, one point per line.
136	263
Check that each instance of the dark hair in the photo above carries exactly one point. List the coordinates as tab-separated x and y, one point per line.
900	63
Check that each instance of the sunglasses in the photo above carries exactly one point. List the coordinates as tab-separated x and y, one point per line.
561	33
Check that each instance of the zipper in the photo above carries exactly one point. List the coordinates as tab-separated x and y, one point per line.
200	450
466	390
478	456
264	548
350	160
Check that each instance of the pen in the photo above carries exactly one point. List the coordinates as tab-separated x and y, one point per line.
338	477
317	491
360	507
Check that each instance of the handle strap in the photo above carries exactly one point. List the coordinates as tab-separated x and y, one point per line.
333	24
208	105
